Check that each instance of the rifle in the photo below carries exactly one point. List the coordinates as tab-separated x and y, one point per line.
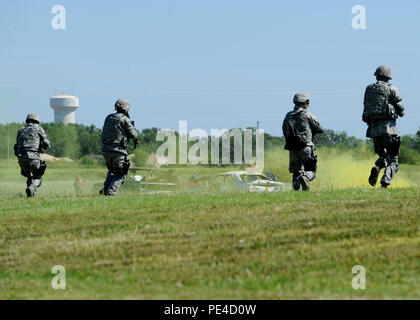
136	141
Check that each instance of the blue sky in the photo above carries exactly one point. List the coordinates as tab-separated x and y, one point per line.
217	64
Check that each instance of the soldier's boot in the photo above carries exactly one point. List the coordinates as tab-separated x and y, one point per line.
295	183
30	191
104	192
373	178
304	182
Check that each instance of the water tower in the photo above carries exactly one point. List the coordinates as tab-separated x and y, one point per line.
64	108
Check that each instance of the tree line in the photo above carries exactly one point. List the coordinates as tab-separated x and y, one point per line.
76	141
72	141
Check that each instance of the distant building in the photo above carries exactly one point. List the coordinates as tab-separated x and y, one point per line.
64	108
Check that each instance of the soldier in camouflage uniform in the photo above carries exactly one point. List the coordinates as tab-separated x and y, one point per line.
299	128
382	106
31	141
117	130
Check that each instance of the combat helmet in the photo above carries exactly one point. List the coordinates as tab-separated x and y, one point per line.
122	105
300	97
33	117
383	71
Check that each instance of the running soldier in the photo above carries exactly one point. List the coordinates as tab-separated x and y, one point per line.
117	130
31	142
382	107
299	128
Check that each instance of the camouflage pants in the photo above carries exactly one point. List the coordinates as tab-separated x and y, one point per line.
305	157
387	147
115	178
29	168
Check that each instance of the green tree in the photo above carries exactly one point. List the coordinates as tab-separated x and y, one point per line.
64	140
330	138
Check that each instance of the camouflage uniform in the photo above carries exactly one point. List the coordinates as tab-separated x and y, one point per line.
382	106
117	130
299	127
31	141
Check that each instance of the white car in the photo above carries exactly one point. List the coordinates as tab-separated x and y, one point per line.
245	181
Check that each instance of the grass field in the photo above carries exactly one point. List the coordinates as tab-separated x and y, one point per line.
209	246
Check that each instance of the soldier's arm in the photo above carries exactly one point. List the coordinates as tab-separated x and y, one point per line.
285	129
15	147
130	131
45	142
314	124
396	100
364	117
18	134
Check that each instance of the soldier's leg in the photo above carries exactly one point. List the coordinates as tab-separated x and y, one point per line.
107	182
310	161
37	173
29	179
378	144
109	176
310	165
392	151
389	173
37	182
295	166
379	147
25	170
118	178
116	184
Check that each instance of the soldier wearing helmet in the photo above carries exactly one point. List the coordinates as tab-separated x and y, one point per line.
299	128
31	141
117	131
382	107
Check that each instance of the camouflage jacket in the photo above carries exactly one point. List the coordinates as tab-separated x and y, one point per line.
31	141
299	128
117	130
382	106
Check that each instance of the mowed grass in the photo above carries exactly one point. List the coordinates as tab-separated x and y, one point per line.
213	246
